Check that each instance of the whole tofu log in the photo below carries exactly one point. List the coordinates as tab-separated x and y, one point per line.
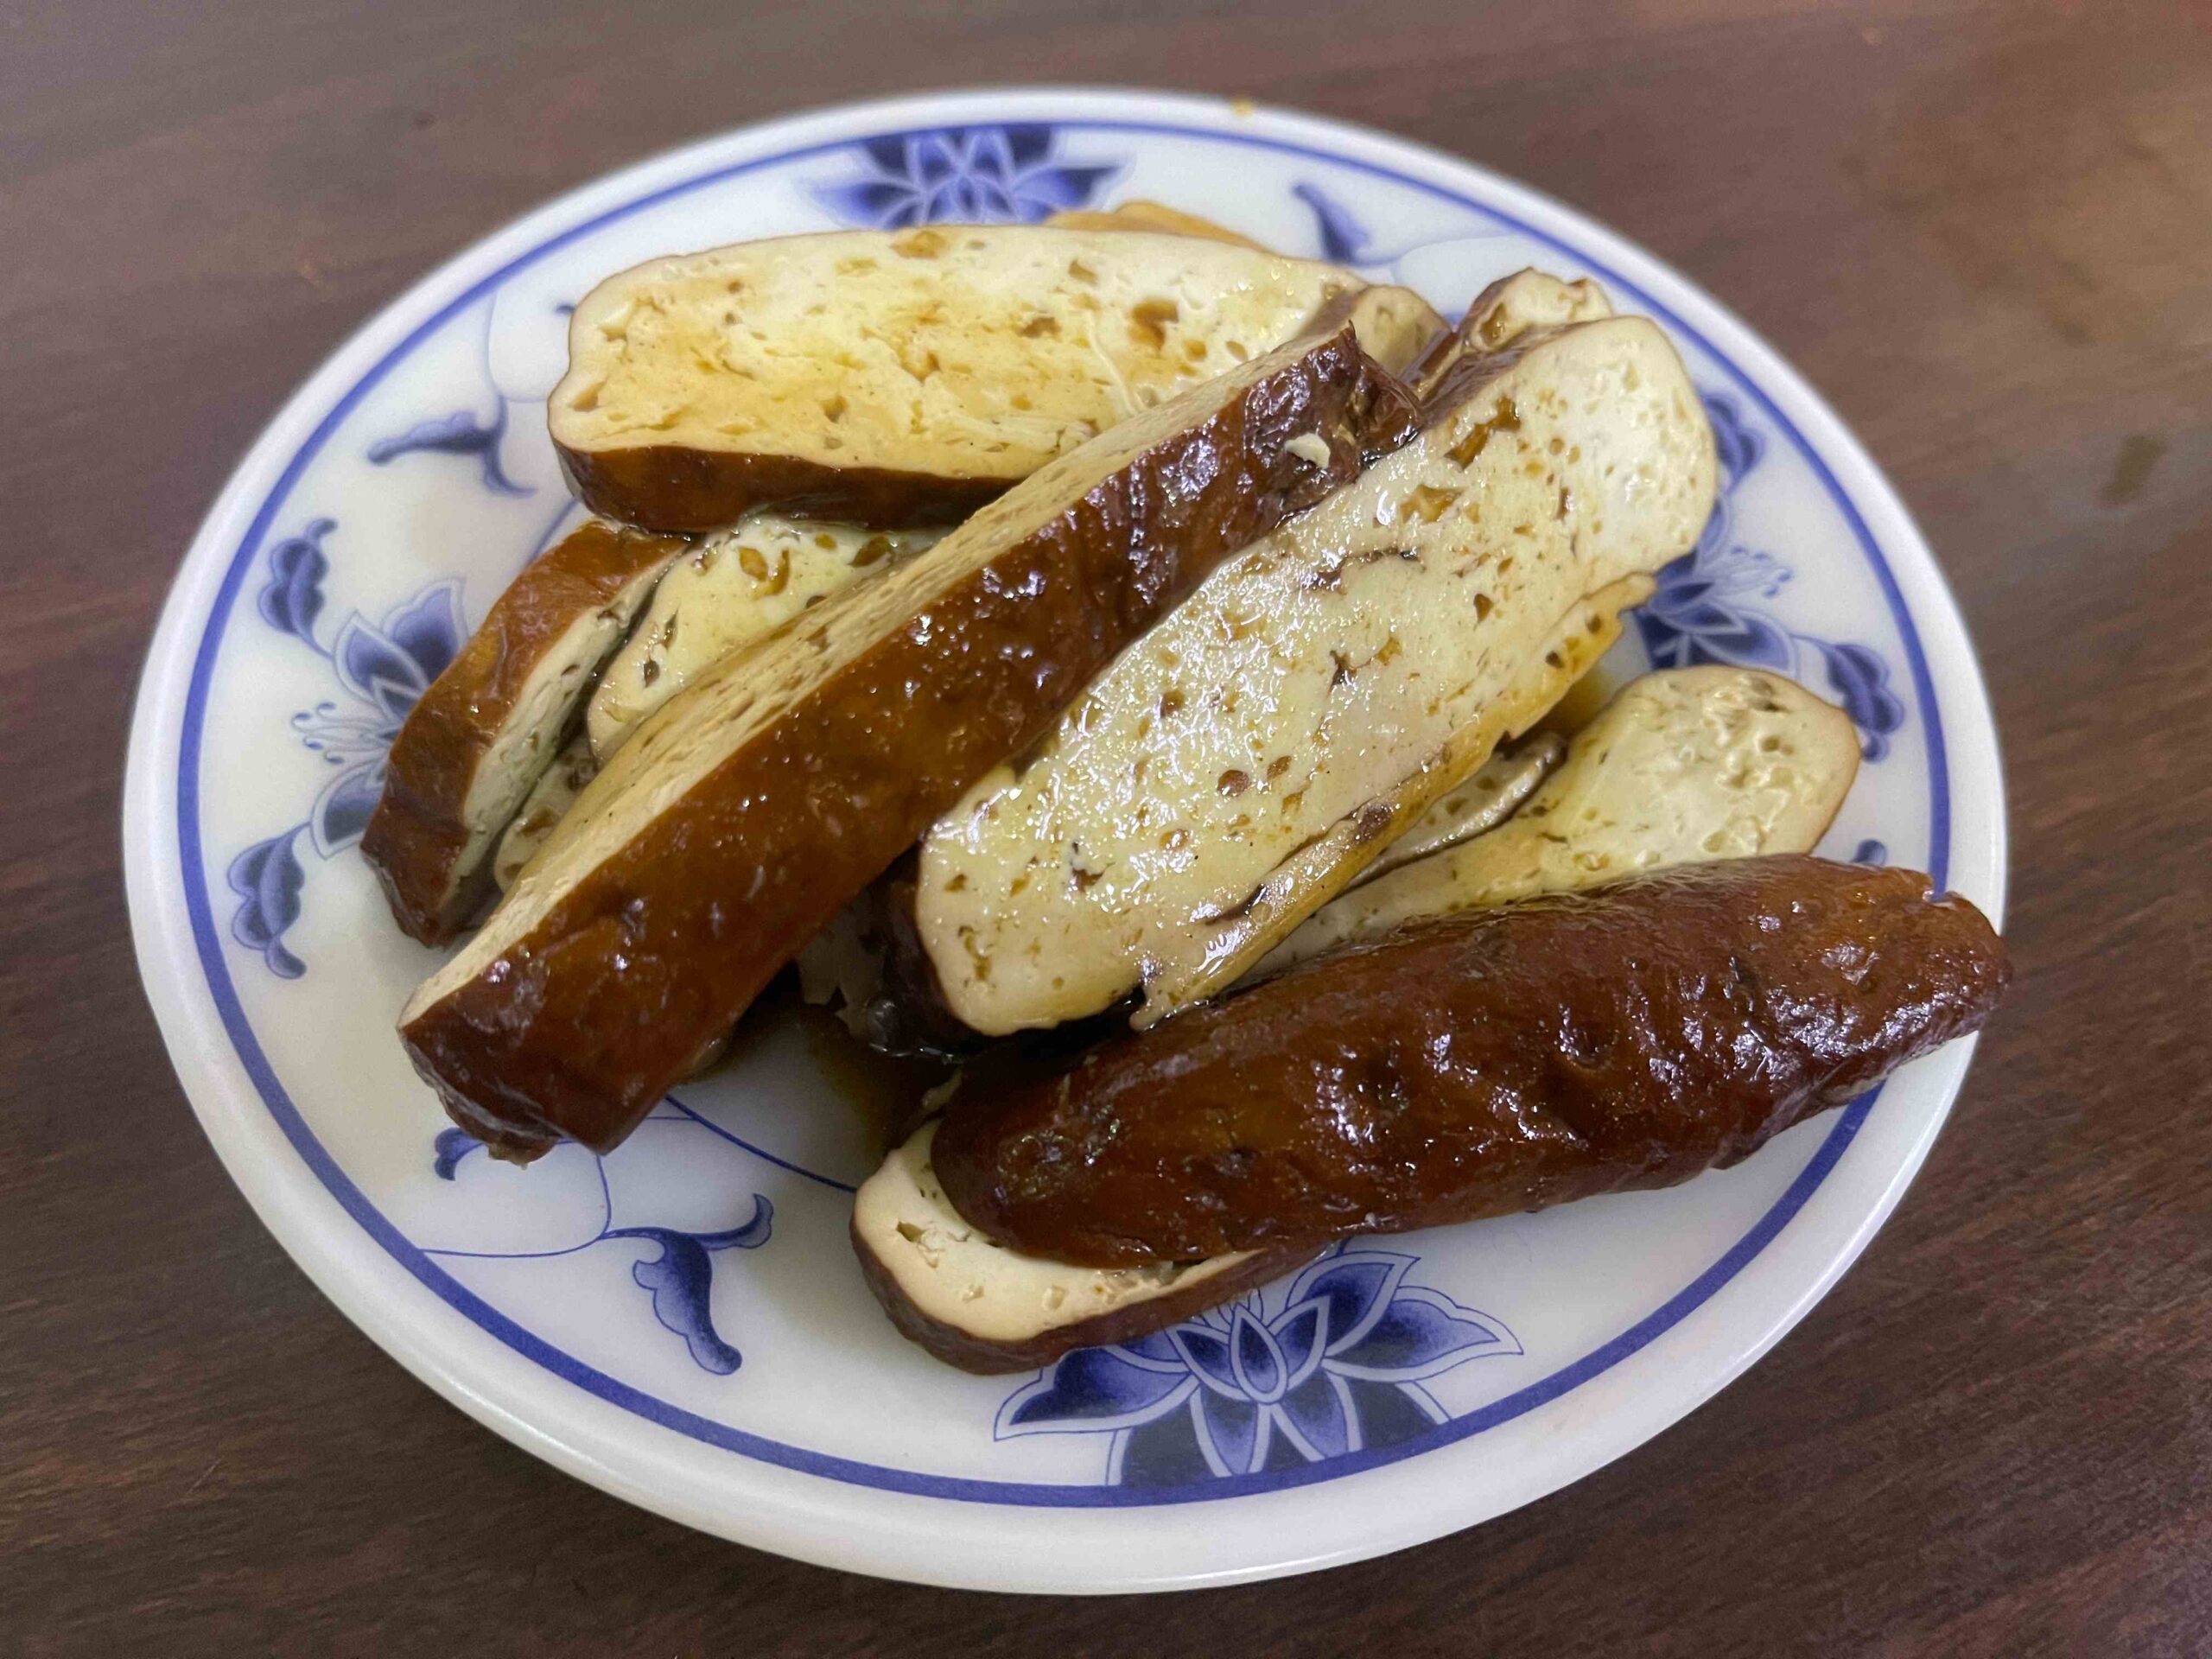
1495	1062
743	815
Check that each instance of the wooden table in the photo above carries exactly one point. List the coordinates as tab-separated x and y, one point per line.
1985	232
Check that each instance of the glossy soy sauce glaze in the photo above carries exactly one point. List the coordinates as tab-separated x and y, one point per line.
884	1095
1494	1061
671	488
415	838
632	972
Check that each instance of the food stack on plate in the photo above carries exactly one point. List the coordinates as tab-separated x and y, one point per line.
1124	661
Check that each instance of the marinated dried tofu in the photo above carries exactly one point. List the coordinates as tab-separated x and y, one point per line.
1683	767
899	378
1248	756
732	589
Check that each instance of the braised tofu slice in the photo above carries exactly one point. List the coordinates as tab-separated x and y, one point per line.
901	378
1683	767
731	590
1249	756
472	748
978	1305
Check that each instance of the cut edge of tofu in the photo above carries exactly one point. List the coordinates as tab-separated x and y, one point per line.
1210	955
1683	765
989	1309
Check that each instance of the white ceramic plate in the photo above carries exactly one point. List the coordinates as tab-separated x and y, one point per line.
682	1323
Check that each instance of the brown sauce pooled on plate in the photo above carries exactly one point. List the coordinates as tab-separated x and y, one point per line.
883	1092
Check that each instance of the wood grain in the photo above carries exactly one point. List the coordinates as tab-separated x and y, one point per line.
1985	232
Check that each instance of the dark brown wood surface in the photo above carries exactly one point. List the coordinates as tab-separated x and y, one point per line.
1985	231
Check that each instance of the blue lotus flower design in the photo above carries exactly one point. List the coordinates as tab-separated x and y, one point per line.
389	665
984	175
384	667
1706	607
1702	611
1335	1369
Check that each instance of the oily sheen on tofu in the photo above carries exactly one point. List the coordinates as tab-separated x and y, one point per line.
478	740
1682	766
896	378
1491	795
1415	1081
730	590
745	812
1246	758
1503	1059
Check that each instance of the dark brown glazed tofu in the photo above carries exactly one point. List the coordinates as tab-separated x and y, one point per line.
1493	1061
477	742
751	808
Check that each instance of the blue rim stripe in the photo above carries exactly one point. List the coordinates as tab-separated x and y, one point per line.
207	938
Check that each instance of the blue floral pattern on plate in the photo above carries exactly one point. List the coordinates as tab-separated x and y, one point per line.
384	667
1336	1367
462	432
1341	237
679	1276
974	175
458	433
1706	608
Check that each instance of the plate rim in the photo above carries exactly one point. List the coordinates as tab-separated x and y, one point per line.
1931	614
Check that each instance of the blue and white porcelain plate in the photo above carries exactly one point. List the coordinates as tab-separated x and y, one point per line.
682	1323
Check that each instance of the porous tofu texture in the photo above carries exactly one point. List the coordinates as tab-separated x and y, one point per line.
959	351
731	590
953	1274
1318	691
1682	766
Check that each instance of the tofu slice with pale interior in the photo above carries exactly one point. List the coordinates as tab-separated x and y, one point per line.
902	378
1248	758
1682	766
